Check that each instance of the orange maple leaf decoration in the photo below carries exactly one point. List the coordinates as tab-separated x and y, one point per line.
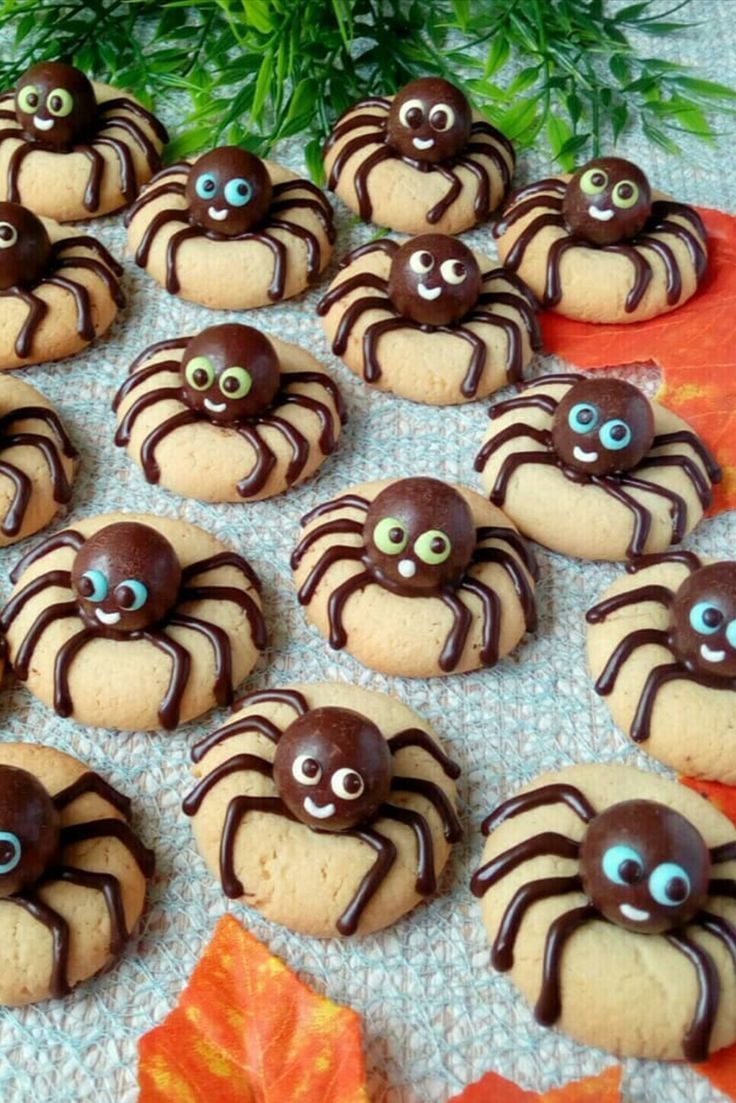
692	345
246	1030
492	1088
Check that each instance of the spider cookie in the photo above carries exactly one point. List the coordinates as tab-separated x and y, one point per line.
231	231
58	290
415	577
662	648
36	461
430	320
131	600
419	161
601	246
328	808
227	415
608	894
71	148
72	873
591	467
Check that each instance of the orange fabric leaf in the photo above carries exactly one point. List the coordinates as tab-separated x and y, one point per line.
693	346
722	796
720	1069
492	1088
246	1030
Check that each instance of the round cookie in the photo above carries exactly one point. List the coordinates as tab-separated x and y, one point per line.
430	320
589	466
230	231
228	415
662	648
58	290
415	577
329	808
419	161
607	893
72	873
132	600
599	246
71	148
36	461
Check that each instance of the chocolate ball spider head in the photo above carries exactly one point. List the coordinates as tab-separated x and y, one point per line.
25	248
55	104
644	866
126	578
228	191
230	373
332	768
29	830
419	536
703	621
602	426
434	279
429	120
607	201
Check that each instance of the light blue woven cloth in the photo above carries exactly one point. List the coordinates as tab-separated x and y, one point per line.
435	1016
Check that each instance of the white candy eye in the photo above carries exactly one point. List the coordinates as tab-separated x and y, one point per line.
441	117
411	113
8	235
347	784
306	770
421	262
453	271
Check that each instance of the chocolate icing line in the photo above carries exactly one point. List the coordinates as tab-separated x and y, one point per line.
697	1037
113	829
641	725
438	798
22	493
58	928
549	1005
345	501
219	641
603	609
518	578
385	849
502	951
37	310
642	637
291	697
688	558
258	724
426	882
455	642
68	538
90	782
556	793
237	764
243	600
546	843
415	737
109	886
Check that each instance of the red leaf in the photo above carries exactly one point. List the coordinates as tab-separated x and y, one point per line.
722	796
492	1088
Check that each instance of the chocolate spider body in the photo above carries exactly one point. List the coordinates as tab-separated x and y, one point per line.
643	867
601	434
332	771
51	450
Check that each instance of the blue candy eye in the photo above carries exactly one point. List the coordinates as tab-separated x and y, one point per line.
238	192
615	435
731	634
10	851
94	586
669	885
206	186
707	619
131	595
583	418
622	865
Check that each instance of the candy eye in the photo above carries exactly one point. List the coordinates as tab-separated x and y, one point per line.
10	851
441	117
433	547
625	194
235	382
731	634
206	186
60	103
411	114
421	262
594	181
615	435
28	99
622	865
669	885
347	784
453	271
706	619
306	770
131	595
200	373
390	536
583	418
8	235
94	586
238	192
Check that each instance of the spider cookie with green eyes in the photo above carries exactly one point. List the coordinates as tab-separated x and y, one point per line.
602	246
415	577
662	650
419	161
328	808
132	600
609	895
589	466
228	415
71	148
231	231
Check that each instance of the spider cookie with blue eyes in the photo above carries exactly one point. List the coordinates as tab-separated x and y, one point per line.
609	895
662	651
601	245
231	231
71	148
131	600
589	466
228	415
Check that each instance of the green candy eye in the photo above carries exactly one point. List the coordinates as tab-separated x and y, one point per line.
433	547
28	99
625	194
200	373
390	536
594	181
60	103
235	382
